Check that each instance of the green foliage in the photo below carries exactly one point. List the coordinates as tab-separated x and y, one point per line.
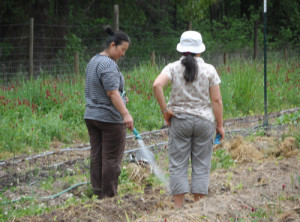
123	178
194	10
283	20
290	118
225	33
142	105
230	23
73	44
35	113
6	48
283	85
241	87
221	159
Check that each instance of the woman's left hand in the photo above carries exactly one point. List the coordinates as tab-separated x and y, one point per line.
127	100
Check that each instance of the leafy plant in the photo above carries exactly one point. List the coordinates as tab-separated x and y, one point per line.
221	159
290	118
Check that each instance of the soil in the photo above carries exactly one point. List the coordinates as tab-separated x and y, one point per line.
264	184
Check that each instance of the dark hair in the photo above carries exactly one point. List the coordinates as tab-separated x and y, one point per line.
191	67
117	37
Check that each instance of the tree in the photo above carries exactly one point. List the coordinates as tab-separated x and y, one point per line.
193	11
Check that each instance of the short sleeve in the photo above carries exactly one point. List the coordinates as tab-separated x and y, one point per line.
214	77
110	78
167	70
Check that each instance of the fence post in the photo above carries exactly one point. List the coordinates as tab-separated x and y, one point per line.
153	58
31	26
255	40
190	25
285	54
76	63
225	58
116	17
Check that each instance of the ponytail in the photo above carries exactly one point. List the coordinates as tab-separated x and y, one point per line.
191	67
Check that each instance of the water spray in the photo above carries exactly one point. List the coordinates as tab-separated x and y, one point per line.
147	157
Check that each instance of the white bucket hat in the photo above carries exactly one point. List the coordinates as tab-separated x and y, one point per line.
191	41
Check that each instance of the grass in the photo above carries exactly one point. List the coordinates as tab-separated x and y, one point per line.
243	89
37	112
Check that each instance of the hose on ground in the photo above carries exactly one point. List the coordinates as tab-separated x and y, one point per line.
45	197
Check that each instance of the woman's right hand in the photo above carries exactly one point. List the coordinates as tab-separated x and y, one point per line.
167	116
128	121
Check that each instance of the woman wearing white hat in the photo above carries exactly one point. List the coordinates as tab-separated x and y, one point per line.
194	113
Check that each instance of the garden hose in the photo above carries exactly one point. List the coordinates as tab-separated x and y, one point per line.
45	197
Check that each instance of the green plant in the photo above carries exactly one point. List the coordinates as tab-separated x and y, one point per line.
74	44
123	178
239	186
289	118
221	159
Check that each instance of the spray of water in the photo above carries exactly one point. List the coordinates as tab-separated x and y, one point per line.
148	155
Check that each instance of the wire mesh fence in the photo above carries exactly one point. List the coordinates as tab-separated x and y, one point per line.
54	47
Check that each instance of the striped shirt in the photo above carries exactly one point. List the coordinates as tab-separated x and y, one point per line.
102	75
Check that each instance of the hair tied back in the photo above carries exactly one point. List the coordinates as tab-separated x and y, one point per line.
186	53
108	30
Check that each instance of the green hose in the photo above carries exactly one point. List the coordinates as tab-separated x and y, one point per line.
45	197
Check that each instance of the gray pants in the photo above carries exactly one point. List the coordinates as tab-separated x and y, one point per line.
190	136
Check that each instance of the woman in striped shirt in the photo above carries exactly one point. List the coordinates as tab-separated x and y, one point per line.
106	115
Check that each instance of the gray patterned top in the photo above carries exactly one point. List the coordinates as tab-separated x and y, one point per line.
192	98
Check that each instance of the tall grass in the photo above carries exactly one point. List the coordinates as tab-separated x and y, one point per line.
36	112
142	105
242	87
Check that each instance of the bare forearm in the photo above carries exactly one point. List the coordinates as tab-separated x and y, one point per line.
218	111
159	95
158	85
118	103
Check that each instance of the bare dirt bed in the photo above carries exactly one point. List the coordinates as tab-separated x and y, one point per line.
264	185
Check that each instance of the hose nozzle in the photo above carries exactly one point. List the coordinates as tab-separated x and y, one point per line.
137	135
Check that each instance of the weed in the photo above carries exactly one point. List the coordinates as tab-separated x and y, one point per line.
290	118
239	186
123	178
221	159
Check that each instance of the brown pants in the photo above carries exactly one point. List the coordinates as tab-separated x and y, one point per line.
107	148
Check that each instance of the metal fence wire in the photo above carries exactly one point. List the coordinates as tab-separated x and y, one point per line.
54	47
